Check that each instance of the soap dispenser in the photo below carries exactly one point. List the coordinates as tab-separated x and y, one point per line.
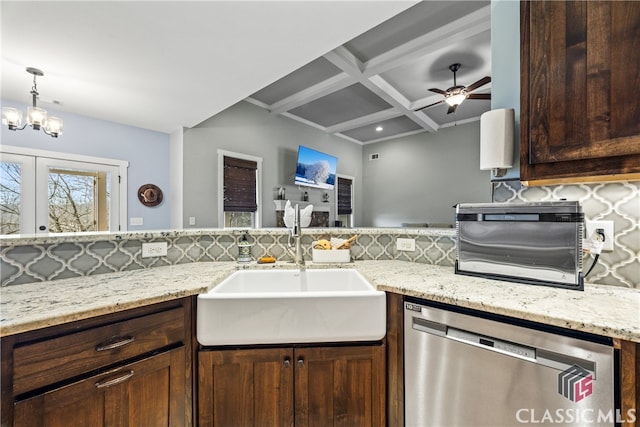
244	249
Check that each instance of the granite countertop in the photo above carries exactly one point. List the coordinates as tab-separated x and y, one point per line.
602	310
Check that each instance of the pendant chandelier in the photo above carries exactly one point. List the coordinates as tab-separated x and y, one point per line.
36	117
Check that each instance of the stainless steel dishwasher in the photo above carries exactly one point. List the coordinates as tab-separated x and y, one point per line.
465	370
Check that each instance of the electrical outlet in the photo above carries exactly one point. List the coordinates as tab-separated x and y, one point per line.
154	249
136	220
607	226
192	220
408	245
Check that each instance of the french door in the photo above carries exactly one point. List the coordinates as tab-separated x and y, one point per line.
40	194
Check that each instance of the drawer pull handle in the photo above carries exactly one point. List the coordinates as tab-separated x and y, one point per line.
115	343
286	362
114	381
301	363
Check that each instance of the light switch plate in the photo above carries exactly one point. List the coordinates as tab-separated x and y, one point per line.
154	249
136	220
403	244
607	226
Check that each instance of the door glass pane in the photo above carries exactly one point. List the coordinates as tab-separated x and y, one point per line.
78	200
10	197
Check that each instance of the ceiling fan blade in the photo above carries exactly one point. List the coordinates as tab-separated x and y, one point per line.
430	105
483	81
436	90
479	96
452	109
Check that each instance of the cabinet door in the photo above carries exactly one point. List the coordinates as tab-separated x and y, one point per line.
238	388
580	88
340	386
150	392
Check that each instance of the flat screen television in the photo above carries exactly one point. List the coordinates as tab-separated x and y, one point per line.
315	169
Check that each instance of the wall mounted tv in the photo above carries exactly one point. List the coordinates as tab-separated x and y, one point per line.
315	169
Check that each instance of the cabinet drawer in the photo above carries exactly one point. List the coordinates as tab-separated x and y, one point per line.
46	362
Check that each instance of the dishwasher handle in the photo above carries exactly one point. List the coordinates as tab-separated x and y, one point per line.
531	354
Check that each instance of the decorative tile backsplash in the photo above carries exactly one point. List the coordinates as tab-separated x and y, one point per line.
618	202
54	257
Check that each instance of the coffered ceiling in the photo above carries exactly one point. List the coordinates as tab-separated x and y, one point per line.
378	79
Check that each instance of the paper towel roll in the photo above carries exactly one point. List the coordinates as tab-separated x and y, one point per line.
496	139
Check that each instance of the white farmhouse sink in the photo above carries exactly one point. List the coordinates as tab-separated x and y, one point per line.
291	306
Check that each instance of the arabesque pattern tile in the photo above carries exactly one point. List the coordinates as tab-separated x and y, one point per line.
618	202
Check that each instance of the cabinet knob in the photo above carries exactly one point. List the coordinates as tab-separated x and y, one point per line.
286	362
42	227
301	363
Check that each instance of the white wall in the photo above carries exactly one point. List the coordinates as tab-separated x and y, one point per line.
247	129
147	152
419	178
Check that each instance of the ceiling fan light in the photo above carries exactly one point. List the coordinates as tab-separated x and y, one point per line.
54	126
456	99
36	117
12	118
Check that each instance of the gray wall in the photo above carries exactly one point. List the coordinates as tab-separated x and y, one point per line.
247	129
505	67
420	177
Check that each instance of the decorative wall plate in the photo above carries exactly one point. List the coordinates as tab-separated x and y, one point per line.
150	195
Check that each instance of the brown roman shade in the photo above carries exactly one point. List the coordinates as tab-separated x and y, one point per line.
239	185
344	196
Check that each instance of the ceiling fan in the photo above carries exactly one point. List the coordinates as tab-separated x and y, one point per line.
455	95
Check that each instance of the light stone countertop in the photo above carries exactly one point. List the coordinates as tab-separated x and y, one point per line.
602	310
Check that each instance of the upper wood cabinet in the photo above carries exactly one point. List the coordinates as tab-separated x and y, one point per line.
580	91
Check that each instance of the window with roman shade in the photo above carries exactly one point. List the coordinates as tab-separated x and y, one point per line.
344	196
239	185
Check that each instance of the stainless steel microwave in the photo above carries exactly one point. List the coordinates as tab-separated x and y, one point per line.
537	243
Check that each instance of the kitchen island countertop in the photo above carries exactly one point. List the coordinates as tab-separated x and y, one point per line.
603	310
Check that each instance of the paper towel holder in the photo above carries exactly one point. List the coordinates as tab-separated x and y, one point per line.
496	140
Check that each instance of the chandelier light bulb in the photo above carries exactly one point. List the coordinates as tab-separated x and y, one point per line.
54	126
36	117
12	118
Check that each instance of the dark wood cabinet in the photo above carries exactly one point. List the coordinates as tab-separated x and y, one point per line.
580	86
301	386
245	387
130	368
148	392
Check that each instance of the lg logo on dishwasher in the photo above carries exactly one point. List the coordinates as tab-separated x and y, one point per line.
575	383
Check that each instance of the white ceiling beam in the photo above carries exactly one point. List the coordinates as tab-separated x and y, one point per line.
364	120
304	121
398	135
460	29
324	88
257	103
461	122
348	138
